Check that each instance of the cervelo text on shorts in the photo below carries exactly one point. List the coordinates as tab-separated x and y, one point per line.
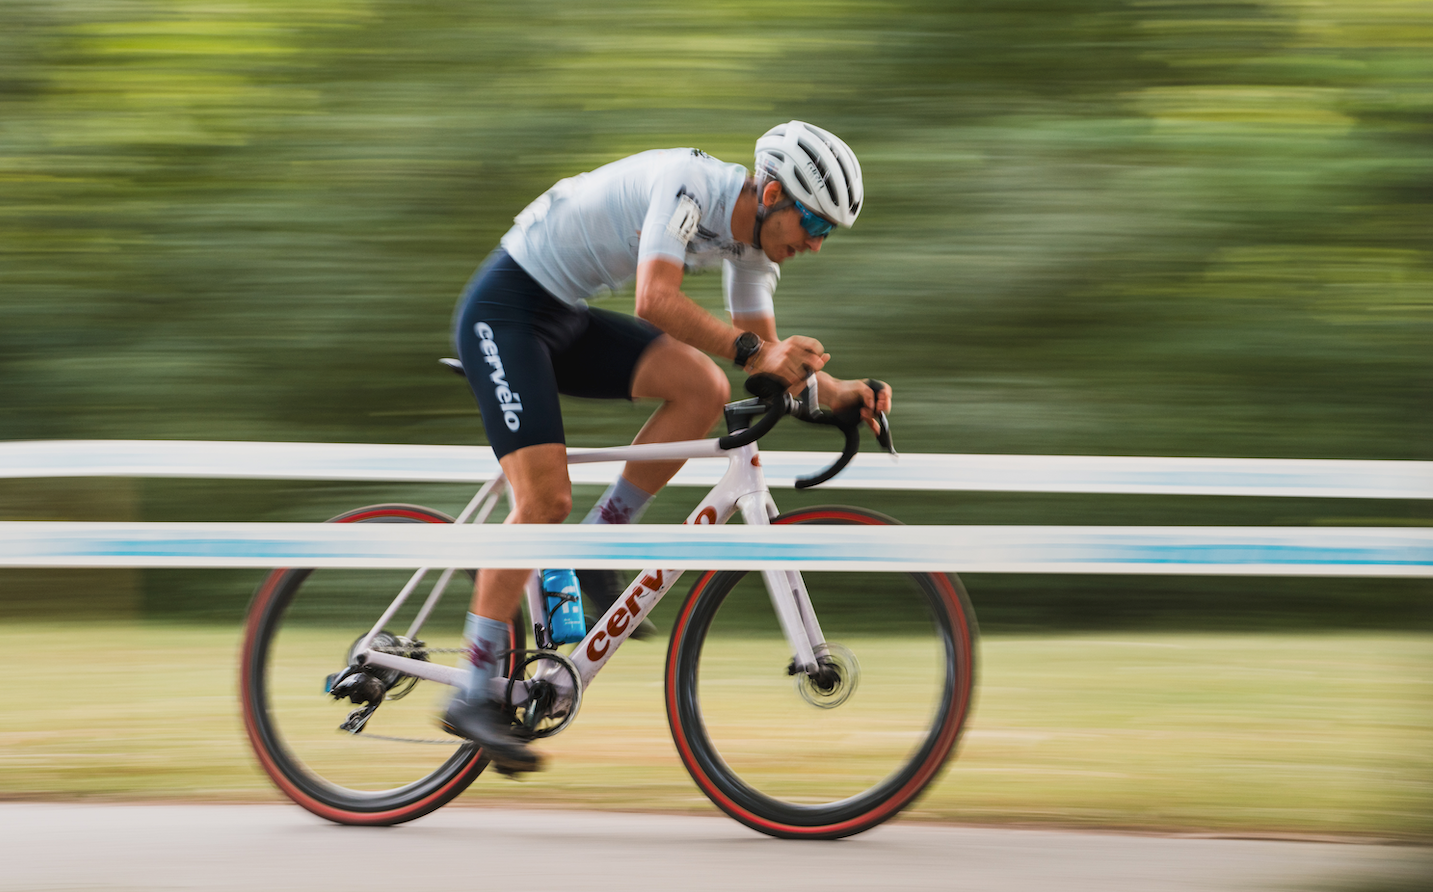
509	402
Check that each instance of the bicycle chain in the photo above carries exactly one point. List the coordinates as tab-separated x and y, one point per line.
448	741
408	652
398	651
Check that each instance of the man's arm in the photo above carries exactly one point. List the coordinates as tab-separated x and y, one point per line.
762	326
661	302
833	392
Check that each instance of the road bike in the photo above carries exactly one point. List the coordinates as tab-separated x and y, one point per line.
804	705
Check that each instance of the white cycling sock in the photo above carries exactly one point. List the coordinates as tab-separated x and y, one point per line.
623	502
488	640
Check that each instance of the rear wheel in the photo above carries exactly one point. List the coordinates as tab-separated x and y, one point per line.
301	629
838	752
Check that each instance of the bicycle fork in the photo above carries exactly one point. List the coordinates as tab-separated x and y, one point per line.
788	594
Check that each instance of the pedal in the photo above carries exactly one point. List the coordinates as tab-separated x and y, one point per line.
541	696
509	772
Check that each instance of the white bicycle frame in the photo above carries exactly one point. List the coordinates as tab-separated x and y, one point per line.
742	488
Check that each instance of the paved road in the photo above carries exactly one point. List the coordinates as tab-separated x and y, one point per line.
56	847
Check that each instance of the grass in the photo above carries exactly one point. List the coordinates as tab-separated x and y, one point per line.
1322	734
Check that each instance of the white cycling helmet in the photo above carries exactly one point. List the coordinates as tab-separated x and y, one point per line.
814	167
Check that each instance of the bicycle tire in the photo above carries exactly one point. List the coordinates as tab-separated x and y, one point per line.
821	777
268	704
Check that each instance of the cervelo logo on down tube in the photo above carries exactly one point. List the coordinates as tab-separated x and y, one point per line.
509	402
650	584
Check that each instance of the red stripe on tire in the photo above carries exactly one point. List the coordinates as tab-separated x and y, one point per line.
908	791
337	815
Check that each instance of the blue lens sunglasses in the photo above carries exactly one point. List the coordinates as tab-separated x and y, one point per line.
816	227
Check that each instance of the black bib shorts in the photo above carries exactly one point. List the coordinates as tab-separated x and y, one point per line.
521	347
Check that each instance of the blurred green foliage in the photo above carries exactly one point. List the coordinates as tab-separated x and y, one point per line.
1093	226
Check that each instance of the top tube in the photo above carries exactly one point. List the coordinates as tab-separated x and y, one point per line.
647	452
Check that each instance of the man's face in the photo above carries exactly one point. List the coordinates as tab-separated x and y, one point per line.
782	236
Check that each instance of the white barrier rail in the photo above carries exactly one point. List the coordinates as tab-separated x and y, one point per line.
990	473
1283	551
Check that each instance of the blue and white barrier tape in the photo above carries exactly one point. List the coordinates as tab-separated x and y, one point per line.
1283	551
990	473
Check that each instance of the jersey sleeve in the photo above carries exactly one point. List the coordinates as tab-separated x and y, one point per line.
748	284
672	219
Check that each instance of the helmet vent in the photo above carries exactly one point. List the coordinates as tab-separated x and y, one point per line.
821	168
770	163
805	186
846	175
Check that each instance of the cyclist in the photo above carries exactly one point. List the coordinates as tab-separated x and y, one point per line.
525	334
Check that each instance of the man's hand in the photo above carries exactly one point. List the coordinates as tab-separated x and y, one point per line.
839	394
790	360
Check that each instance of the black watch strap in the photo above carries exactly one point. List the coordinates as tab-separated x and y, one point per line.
747	346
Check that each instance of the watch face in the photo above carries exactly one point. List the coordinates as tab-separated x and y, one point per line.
747	343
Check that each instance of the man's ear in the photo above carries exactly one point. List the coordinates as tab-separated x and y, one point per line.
771	194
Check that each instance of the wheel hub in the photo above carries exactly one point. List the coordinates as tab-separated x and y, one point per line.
834	681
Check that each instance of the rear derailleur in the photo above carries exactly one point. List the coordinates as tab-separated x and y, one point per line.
368	685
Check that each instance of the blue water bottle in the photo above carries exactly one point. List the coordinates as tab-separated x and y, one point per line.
565	621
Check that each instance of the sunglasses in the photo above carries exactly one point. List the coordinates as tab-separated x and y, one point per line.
816	227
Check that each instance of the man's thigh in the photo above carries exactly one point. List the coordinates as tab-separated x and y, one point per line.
602	362
510	371
676	372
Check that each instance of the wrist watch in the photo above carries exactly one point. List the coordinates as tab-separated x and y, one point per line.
747	346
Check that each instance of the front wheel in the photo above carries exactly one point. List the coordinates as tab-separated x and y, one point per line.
393	765
829	755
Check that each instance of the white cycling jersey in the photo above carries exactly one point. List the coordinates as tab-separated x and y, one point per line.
587	234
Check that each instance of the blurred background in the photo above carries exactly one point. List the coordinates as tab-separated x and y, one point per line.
1109	227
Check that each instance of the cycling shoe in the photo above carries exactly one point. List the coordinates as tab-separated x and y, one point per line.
481	721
